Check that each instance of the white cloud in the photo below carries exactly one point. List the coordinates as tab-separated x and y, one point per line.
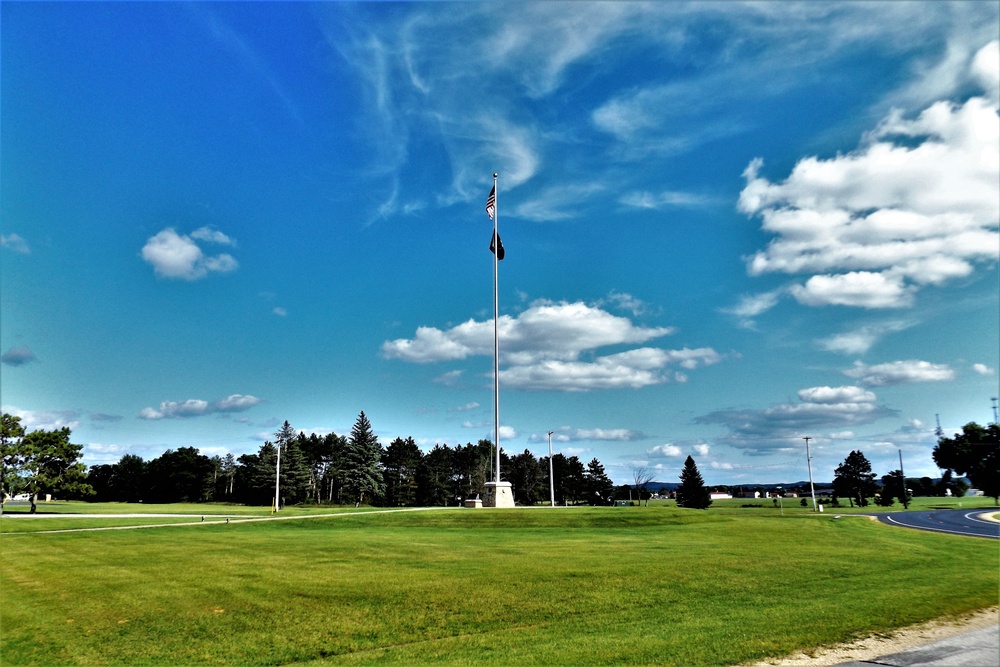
915	205
557	203
211	236
464	408
860	340
982	369
174	255
752	305
15	243
544	330
570	434
668	451
782	426
195	407
634	369
44	420
899	372
702	449
836	395
18	356
507	433
542	349
279	311
665	199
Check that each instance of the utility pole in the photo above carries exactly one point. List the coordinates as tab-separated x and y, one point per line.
995	420
277	480
906	501
552	481
812	490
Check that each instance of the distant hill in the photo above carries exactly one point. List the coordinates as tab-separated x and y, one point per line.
825	486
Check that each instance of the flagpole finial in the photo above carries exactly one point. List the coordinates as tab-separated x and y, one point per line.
494	174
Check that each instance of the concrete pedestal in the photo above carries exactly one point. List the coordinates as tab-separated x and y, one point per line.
499	494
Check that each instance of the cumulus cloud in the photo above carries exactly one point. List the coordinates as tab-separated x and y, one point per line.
18	356
782	425
915	205
543	348
44	420
195	407
174	255
665	451
15	243
982	369
899	372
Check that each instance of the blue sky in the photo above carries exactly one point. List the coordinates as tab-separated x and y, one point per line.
727	226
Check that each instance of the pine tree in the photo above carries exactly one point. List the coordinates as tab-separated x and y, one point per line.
362	470
400	462
692	492
598	484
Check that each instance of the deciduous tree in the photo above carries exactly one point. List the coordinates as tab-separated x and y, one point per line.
975	453
854	479
50	464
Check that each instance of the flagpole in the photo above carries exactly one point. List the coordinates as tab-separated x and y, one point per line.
496	333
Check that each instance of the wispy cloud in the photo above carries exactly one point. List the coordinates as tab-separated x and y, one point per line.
861	339
15	243
899	372
572	434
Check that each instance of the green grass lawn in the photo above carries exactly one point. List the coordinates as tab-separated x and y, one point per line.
658	585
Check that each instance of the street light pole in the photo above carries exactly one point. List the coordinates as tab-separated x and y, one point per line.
277	481
552	481
812	490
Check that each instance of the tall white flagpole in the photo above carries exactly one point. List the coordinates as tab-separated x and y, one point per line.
496	333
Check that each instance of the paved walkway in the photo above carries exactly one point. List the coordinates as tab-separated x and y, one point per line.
979	648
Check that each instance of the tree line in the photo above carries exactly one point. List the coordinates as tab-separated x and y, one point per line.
314	469
356	468
974	453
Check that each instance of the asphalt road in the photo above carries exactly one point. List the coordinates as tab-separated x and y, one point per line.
980	648
954	522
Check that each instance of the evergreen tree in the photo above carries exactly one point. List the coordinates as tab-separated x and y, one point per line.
434	475
692	492
854	479
295	475
597	485
399	463
529	479
362	471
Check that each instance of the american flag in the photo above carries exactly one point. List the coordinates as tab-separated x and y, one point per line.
491	202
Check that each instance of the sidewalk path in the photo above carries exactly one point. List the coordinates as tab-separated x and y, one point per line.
978	648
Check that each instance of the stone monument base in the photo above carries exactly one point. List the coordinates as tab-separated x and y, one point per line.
499	494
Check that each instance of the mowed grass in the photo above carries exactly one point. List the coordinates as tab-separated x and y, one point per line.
656	585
